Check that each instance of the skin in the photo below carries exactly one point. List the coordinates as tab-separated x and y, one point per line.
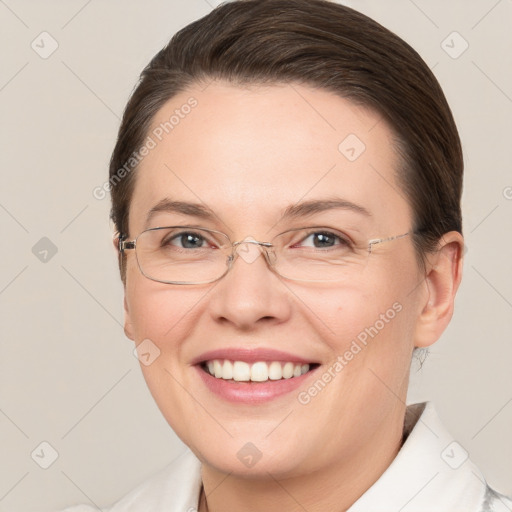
248	153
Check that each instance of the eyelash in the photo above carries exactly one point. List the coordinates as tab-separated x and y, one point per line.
343	240
167	240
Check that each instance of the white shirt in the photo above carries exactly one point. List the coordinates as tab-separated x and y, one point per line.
431	473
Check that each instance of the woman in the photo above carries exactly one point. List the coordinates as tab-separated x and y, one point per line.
286	189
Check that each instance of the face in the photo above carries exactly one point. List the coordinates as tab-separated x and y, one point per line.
248	154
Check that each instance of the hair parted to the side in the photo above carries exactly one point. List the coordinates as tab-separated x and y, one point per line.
324	45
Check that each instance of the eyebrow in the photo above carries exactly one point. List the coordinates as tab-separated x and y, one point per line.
306	208
302	209
191	209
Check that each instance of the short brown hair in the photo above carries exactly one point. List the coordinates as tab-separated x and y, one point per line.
321	44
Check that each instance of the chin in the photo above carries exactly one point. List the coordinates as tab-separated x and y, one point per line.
252	459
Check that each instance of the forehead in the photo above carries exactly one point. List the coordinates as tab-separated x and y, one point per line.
248	153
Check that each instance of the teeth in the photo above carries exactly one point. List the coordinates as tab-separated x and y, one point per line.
241	371
217	369
227	370
288	370
275	371
260	371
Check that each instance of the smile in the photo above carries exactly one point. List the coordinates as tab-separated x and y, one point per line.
253	376
259	371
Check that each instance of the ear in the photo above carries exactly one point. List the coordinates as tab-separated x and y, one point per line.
128	327
442	279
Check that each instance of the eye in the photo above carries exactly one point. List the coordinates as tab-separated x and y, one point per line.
324	239
186	240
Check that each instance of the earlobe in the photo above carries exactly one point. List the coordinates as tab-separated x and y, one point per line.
128	327
444	273
115	242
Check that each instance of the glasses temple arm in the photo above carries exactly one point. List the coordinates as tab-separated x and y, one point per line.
123	244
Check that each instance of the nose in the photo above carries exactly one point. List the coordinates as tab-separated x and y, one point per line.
250	294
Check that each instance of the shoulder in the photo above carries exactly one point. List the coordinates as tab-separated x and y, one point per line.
175	488
432	471
495	502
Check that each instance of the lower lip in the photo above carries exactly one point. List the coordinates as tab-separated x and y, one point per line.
251	392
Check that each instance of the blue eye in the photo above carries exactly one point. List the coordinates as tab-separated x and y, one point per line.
186	240
324	239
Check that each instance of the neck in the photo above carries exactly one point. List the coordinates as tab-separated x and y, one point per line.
334	488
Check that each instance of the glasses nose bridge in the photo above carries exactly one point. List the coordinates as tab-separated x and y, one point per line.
250	240
249	250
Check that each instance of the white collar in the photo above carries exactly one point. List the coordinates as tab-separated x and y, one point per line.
431	472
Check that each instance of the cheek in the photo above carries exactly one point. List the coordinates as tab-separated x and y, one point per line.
357	312
160	312
369	329
163	319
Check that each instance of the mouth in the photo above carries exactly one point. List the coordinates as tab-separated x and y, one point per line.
253	376
258	371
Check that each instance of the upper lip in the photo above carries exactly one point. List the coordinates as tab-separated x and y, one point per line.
250	355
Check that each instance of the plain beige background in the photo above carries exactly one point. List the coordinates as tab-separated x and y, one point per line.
68	376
